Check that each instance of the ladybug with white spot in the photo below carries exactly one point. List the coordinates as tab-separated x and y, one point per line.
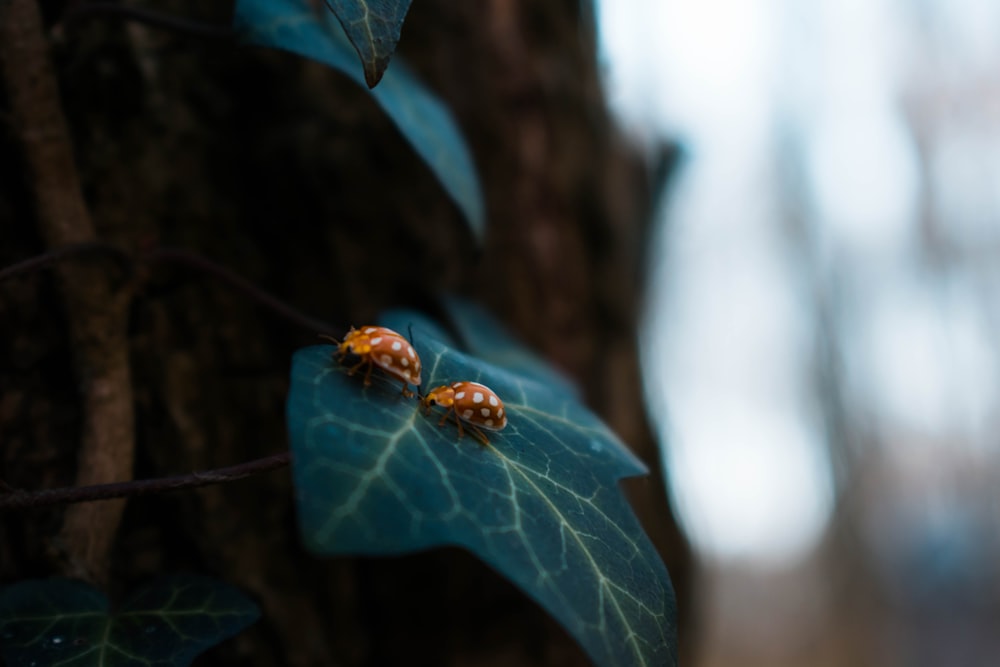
473	403
382	347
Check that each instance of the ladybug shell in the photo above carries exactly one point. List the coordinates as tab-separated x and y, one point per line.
386	349
479	405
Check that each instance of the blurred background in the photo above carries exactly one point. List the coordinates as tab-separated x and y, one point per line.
821	336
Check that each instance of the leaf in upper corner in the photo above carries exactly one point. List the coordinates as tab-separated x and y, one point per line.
541	504
373	26
426	123
165	624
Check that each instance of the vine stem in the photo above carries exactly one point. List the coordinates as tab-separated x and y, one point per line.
239	283
171	256
11	498
51	257
96	312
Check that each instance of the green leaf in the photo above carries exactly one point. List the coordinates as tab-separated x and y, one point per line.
166	624
484	337
540	504
373	26
291	25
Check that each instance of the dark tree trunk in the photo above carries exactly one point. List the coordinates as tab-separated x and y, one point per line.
286	173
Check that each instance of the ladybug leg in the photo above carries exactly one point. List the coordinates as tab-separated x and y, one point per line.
354	369
444	417
480	436
406	391
458	422
368	374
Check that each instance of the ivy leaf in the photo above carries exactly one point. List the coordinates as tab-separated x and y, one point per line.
373	26
292	25
165	624
484	337
540	504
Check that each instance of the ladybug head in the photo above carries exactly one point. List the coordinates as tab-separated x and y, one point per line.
443	396
355	342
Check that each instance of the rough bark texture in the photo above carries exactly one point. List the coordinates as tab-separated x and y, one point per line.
96	312
287	173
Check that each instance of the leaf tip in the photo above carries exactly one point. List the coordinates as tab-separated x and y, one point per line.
374	71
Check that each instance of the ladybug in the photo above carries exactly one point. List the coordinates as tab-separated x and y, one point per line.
382	347
475	404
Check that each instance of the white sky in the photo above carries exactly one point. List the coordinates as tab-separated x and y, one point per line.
730	334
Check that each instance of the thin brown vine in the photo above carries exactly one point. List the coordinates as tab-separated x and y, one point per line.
12	499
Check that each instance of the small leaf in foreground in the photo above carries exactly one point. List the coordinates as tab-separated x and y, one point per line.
373	26
540	504
292	25
165	624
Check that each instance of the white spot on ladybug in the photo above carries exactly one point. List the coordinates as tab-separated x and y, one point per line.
409	351
493	401
489	422
406	372
404	361
466	414
397	346
485	412
499	412
477	397
370	330
376	340
459	395
386	360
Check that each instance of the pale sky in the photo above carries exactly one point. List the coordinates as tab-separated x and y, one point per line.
753	89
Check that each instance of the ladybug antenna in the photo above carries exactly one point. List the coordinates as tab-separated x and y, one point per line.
329	338
409	335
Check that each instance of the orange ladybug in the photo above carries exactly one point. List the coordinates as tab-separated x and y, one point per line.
382	347
475	404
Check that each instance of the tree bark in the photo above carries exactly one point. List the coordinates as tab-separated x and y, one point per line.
285	172
96	312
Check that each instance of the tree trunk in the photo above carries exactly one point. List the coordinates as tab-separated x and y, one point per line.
283	171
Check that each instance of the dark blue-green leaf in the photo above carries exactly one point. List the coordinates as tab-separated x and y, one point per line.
165	624
484	337
292	25
373	26
540	504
